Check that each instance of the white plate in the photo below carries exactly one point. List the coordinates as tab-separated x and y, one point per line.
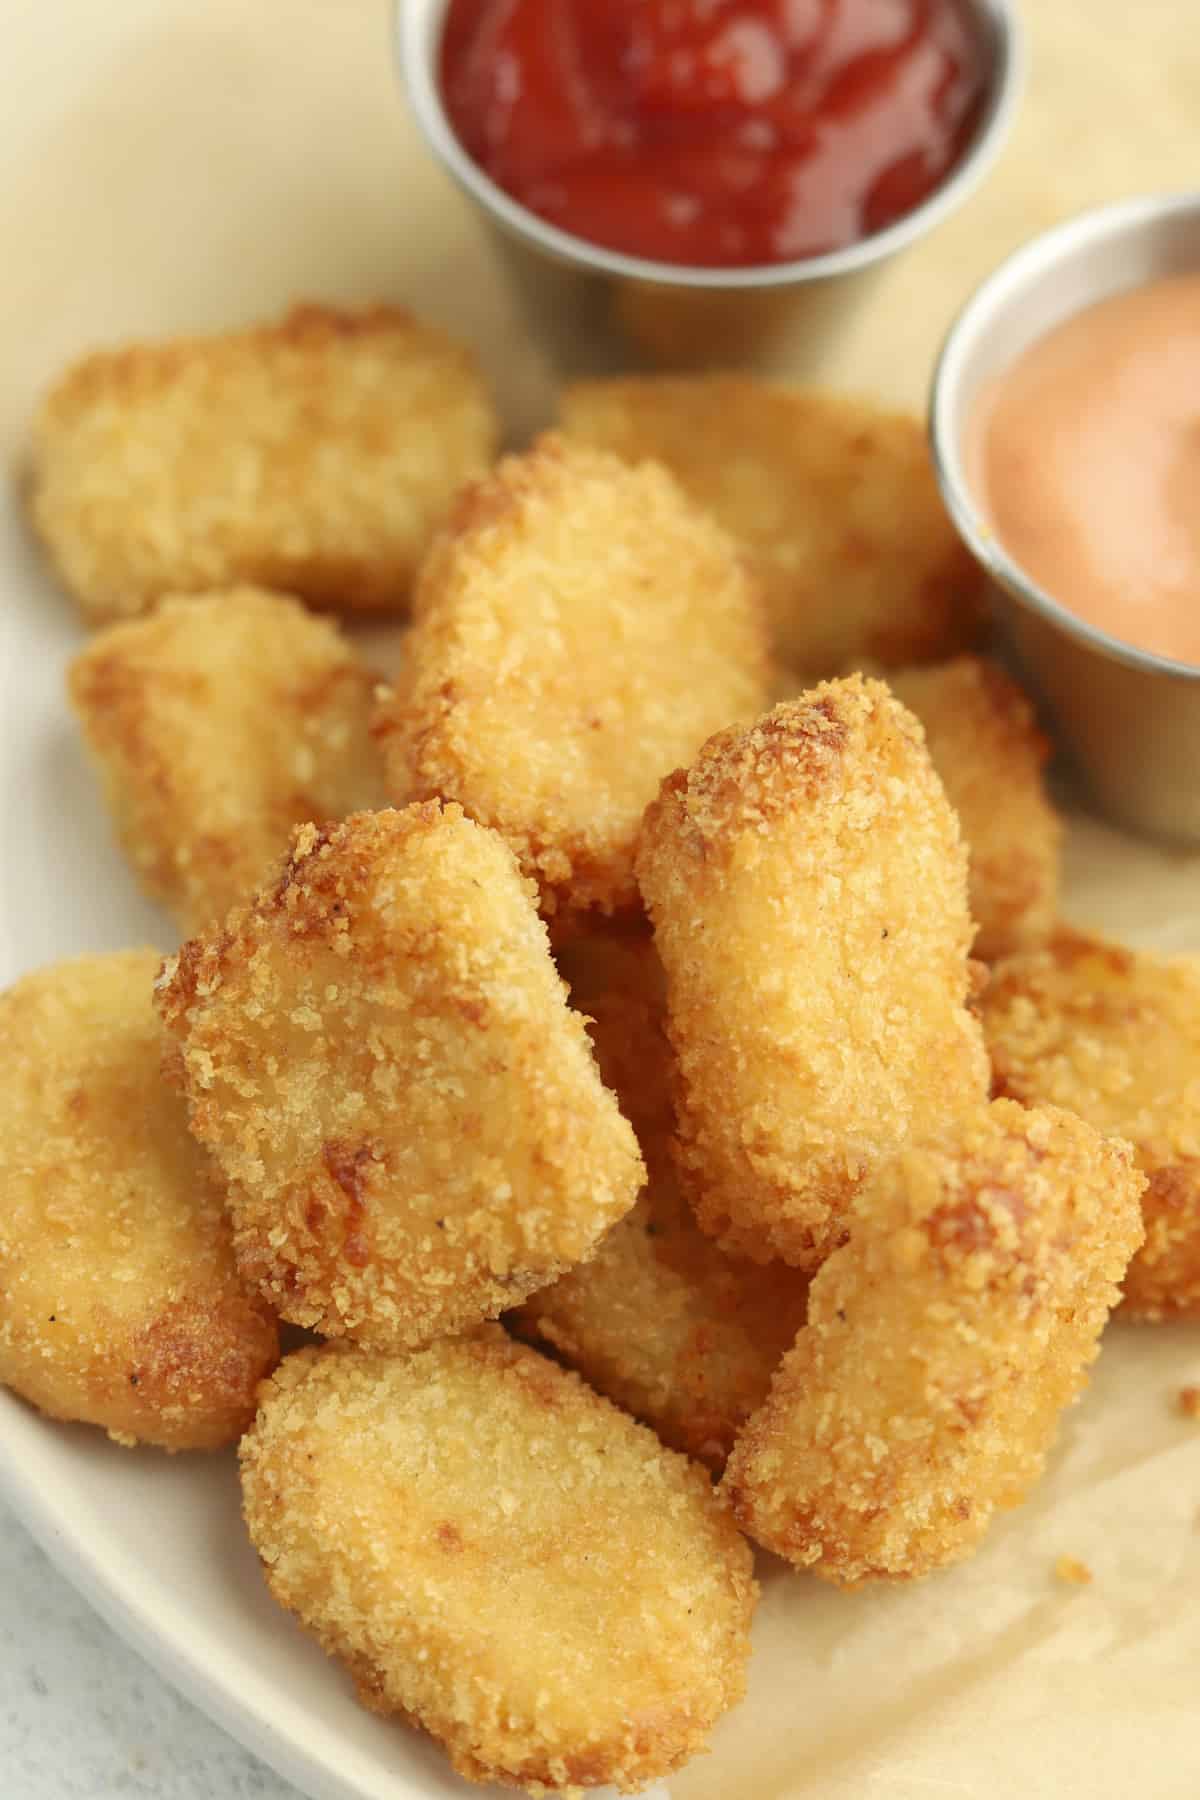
166	167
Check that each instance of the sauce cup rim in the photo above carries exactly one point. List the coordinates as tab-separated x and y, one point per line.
1004	287
416	38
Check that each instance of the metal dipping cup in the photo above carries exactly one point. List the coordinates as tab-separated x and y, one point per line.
1129	718
586	303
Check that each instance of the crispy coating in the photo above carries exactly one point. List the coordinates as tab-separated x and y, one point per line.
807	883
985	745
661	1320
1114	1035
943	1342
315	455
834	499
379	1053
501	1557
119	1301
580	629
217	724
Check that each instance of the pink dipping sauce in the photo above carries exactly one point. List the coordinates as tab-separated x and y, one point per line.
1086	456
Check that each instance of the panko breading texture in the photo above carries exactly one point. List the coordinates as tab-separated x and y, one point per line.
316	455
580	629
807	884
379	1053
217	725
985	745
834	499
119	1302
1114	1035
502	1557
943	1341
661	1320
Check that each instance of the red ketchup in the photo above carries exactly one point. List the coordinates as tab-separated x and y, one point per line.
715	133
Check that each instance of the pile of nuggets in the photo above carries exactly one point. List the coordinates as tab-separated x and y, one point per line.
584	1036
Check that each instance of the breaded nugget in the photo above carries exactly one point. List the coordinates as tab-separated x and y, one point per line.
217	724
119	1301
808	887
943	1341
379	1053
985	745
679	1334
580	629
1114	1034
315	455
834	499
502	1557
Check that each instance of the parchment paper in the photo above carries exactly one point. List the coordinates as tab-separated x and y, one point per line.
216	162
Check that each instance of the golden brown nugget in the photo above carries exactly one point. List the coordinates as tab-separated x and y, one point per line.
1114	1035
580	629
120	1305
379	1053
808	887
660	1320
315	455
218	724
985	745
502	1557
834	499
943	1342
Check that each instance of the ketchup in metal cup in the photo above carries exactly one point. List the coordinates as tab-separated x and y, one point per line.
714	133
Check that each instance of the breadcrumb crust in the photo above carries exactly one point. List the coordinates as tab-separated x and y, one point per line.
217	724
379	1054
807	883
121	1306
501	1557
315	455
1114	1034
943	1342
833	497
660	1320
984	742
580	628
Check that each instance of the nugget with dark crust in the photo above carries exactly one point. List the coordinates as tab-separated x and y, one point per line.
217	724
661	1320
315	455
580	629
943	1342
379	1053
501	1557
1114	1034
807	883
120	1305
834	499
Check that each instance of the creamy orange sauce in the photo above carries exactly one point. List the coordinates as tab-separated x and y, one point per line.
1086	456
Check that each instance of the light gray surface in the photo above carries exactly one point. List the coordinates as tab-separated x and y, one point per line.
83	1718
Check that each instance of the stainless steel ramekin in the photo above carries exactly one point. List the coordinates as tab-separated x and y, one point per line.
586	301
1130	718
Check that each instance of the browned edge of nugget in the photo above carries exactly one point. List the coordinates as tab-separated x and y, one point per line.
1114	1034
501	1556
807	882
580	627
943	1341
252	455
833	495
660	1320
122	1307
379	1053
